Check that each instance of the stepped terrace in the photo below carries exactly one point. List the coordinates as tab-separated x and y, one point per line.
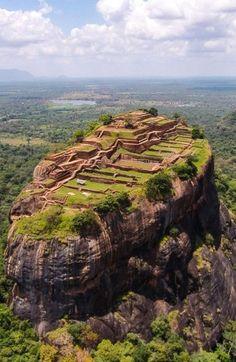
121	156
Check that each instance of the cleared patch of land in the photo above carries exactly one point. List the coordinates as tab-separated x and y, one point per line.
20	140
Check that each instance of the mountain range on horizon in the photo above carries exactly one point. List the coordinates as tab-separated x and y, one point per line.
12	75
17	75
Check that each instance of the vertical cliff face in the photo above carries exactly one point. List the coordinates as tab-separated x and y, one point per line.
83	277
175	256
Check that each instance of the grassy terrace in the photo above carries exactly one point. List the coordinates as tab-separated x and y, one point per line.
104	142
155	154
104	176
107	142
179	143
135	164
164	121
144	156
75	197
201	149
165	149
86	148
40	228
160	121
48	182
183	138
173	145
88	194
140	176
120	133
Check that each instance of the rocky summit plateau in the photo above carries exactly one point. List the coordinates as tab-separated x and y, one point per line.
121	227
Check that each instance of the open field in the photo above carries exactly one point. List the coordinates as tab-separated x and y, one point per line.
21	140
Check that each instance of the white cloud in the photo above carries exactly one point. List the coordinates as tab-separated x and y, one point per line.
23	28
113	10
150	28
45	8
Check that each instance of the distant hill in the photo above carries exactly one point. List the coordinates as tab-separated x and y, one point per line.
15	75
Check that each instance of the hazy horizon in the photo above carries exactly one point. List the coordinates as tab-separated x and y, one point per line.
62	77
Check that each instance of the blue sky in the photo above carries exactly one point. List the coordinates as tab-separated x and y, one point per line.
119	37
66	13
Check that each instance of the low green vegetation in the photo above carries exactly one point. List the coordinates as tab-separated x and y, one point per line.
41	224
105	119
86	148
58	222
85	223
159	187
176	115
153	111
186	170
91	127
78	136
128	124
165	346
83	335
174	232
110	203
123	134
55	222
197	133
201	152
106	142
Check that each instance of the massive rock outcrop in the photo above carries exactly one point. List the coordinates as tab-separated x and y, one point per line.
172	257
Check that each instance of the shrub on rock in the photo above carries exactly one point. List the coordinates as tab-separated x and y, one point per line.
186	170
85	223
153	111
159	187
78	136
113	202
